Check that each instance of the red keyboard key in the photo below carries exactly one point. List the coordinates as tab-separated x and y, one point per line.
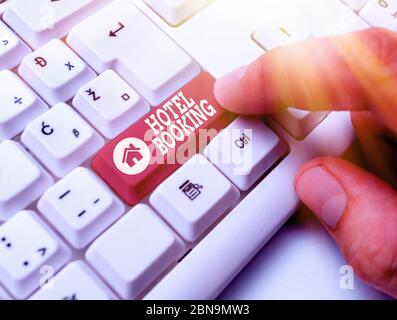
137	161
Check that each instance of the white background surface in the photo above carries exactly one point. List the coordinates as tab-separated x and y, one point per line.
300	262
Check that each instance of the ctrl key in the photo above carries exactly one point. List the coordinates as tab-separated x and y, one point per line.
135	252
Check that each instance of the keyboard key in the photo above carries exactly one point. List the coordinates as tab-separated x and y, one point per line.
75	282
27	245
40	21
285	28
381	13
135	251
177	11
22	180
143	156
299	123
61	139
80	206
12	49
110	104
245	151
122	38
19	105
194	197
55	71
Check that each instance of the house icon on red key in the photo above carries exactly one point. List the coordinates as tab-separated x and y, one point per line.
132	155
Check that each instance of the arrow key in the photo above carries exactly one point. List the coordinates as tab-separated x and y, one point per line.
122	38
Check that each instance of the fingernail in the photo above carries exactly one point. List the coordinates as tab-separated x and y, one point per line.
224	85
323	194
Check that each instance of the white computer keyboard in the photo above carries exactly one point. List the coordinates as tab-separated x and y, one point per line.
76	74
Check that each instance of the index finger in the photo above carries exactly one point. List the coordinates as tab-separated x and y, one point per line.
356	71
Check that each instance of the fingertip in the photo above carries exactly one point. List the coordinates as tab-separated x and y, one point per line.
309	165
358	209
225	89
322	192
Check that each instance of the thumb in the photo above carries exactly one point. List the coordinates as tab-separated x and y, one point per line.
360	212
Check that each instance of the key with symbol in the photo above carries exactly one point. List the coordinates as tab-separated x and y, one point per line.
110	104
245	150
40	21
284	27
61	139
80	206
55	71
122	38
381	14
27	245
194	197
19	105
12	49
138	160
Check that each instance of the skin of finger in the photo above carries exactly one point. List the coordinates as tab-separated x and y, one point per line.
289	76
355	71
300	75
366	233
372	57
379	145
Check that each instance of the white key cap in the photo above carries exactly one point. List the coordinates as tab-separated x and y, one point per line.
194	197
355	5
245	150
19	105
40	21
122	38
26	245
12	49
299	123
80	206
110	104
61	139
285	28
55	71
177	11
135	251
74	282
219	37
381	13
22	180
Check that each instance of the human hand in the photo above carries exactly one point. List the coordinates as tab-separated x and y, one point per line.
357	72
